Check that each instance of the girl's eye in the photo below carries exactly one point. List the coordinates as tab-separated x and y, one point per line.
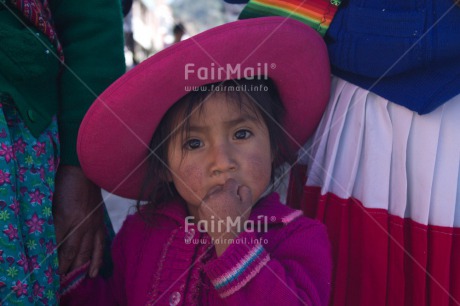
243	134
192	144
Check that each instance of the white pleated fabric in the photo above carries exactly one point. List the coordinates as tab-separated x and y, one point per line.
387	156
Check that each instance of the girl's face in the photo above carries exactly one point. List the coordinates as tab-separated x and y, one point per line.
224	142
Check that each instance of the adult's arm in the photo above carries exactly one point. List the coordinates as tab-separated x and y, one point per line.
91	35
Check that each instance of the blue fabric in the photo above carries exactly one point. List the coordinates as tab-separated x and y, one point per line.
389	48
368	38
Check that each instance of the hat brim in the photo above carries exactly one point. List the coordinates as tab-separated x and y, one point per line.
115	133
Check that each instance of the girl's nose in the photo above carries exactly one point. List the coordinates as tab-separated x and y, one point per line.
222	160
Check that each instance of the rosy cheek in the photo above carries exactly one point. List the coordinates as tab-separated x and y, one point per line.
191	177
260	170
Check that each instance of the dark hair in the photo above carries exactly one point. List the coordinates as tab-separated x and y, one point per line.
256	96
126	6
178	29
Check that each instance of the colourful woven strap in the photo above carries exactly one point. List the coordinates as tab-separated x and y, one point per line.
317	14
37	12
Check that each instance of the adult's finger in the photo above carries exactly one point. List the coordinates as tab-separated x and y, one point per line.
84	252
67	252
97	255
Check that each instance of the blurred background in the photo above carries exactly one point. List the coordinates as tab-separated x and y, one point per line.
149	25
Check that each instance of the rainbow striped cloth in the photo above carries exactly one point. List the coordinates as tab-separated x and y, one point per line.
317	14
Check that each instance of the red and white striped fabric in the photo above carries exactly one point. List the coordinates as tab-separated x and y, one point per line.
386	182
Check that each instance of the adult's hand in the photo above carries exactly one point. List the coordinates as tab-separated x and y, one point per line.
78	219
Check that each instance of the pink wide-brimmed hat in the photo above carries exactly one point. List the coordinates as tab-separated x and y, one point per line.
115	134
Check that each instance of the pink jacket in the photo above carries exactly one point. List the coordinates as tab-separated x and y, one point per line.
163	264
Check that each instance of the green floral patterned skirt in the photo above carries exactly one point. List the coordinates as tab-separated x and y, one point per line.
28	256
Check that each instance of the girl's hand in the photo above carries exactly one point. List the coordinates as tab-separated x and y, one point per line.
229	202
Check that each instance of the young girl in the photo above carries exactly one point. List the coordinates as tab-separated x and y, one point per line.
213	232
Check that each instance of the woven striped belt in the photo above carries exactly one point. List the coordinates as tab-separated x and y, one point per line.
318	14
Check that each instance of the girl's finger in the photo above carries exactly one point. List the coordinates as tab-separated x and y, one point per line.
231	186
245	194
